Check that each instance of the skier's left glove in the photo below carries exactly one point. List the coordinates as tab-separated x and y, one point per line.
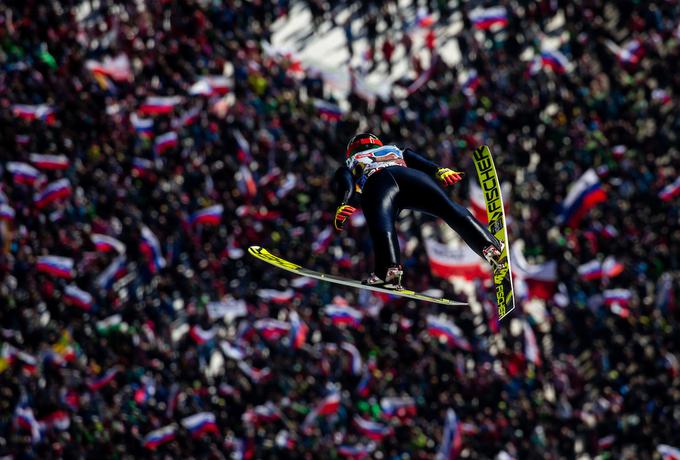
448	176
343	213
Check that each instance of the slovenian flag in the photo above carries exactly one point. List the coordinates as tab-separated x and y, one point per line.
75	296
141	167
486	18
619	296
398	407
452	440
245	182
243	154
159	105
114	271
357	451
471	84
531	350
50	162
372	430
668	452
256	375
6	213
61	267
143	126
212	215
165	141
555	60
276	296
329	405
441	327
211	85
200	424
671	190
271	329
323	240
151	247
159	436
583	195
343	315
28	112
200	335
354	354
328	110
103	380
595	269
298	330
23	173
54	191
105	243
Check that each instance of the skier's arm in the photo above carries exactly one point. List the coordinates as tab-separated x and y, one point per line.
445	175
343	186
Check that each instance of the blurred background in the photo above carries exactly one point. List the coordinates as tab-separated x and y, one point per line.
144	145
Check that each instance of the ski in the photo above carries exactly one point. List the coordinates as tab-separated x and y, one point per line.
488	179
266	256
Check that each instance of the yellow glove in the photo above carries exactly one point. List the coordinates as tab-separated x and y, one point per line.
448	176
343	213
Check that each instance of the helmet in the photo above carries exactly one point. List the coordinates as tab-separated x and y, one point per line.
362	141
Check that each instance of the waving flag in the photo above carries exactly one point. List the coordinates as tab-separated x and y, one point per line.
555	60
117	68
151	247
617	296
298	330
477	203
328	405
423	78
323	240
670	191
583	195
141	167
264	413
668	452
232	352
54	191
447	261
200	335
187	118
60	267
539	280
165	141
276	296
242	148
441	327
254	374
357	451
159	437
25	419
23	173
159	105
227	309
630	53
212	215
200	424
364	385
372	430
143	126
103	380
486	18
245	182
470	85
343	315
42	112
49	162
114	271
211	85
110	324
452	440
357	364
595	269
105	243
75	296
398	407
271	329
6	213
531	349
328	110
58	419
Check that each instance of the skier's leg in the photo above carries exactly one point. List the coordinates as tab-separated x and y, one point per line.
379	204
419	191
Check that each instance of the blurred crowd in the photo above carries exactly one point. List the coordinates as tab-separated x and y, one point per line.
144	145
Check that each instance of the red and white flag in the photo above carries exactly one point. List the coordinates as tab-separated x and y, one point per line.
447	261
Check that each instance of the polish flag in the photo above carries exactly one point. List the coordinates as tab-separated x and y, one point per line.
447	261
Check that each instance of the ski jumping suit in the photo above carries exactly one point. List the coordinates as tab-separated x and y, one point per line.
385	180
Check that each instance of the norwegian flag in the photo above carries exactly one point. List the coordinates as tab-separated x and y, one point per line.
103	380
200	424
271	329
531	349
105	243
6	213
357	364
452	440
343	315
670	191
210	85
151	247
60	267
42	112
256	375
158	437
55	191
372	430
142	126
398	407
212	215
442	327
668	452
75	296
276	296
165	141
49	162
200	335
23	173
159	105
298	330
487	18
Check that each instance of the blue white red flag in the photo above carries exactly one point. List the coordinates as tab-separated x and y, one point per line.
200	424
54	191
60	267
486	18
343	315
212	215
447	329
451	438
583	195
159	437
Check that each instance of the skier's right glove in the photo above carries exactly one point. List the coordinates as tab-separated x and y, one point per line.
343	213
448	176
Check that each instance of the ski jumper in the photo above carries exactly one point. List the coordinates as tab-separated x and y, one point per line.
385	180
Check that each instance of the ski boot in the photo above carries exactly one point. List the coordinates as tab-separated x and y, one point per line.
493	255
392	279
